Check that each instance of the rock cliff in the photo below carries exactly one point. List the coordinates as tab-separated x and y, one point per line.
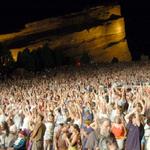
98	31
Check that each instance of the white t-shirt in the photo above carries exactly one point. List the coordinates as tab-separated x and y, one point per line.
25	123
13	128
61	118
147	131
148	144
113	115
130	107
78	122
121	102
102	115
49	131
2	118
18	121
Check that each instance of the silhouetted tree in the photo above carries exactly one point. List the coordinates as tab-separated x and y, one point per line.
85	58
47	57
41	58
35	56
19	60
114	60
59	57
6	60
25	60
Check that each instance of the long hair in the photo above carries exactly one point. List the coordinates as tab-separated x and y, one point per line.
76	127
131	117
6	127
102	120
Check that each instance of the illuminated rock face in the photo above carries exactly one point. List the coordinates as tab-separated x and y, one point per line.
98	31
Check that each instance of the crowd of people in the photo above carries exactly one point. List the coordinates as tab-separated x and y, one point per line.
95	107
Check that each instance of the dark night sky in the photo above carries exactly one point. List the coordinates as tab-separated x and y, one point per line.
15	13
137	21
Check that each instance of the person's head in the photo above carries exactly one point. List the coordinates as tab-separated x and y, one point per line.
139	108
132	118
21	134
148	121
74	128
66	113
118	120
40	117
118	110
65	128
60	127
59	110
111	143
51	118
112	105
10	122
4	125
129	97
86	111
105	126
69	121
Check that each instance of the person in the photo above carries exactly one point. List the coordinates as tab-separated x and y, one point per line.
85	132
87	115
134	132
48	136
60	117
4	134
147	133
20	143
74	141
60	137
18	119
13	132
111	144
119	131
123	102
97	139
37	136
26	120
2	116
